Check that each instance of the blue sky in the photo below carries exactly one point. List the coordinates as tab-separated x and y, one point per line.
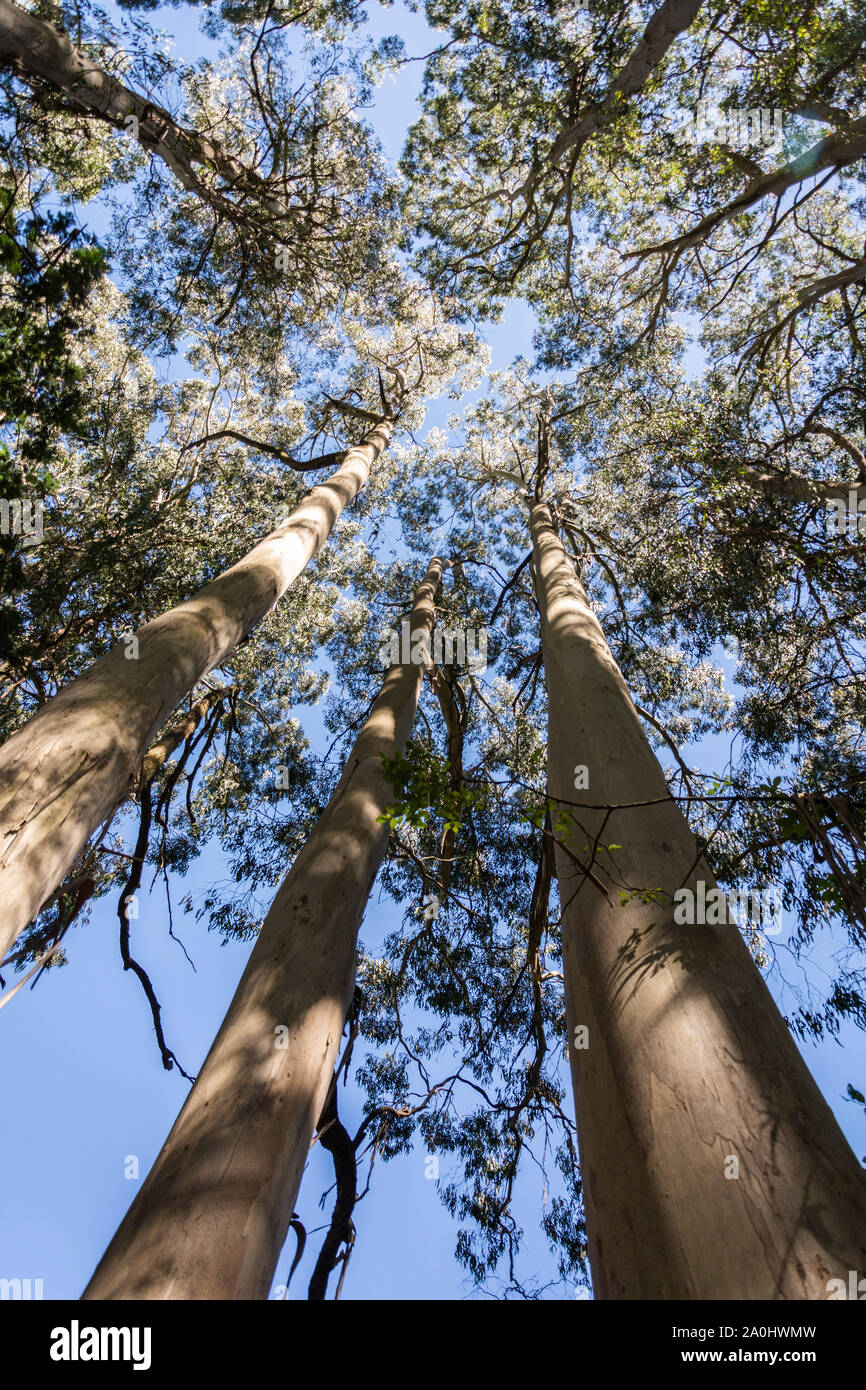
83	1088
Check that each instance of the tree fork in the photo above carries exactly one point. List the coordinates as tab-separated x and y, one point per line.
69	768
212	1215
689	1063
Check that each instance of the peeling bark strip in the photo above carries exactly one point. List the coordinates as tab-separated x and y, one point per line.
211	1218
688	1060
336	1139
72	765
157	756
44	56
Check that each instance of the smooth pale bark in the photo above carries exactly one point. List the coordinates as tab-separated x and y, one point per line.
688	1059
66	771
671	19
81	888
796	488
211	1218
45	57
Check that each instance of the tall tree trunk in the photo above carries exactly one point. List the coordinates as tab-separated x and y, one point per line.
688	1063
212	1215
46	58
72	765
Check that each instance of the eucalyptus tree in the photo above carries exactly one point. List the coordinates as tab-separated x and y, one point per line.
381	305
74	762
66	79
515	103
752	477
212	1215
771	136
672	1013
468	859
625	854
130	519
555	155
463	962
478	969
448	1005
723	520
457	1025
223	163
285	203
99	727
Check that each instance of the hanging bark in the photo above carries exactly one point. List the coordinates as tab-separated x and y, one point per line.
160	752
72	765
336	1139
211	1217
455	712
688	1063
